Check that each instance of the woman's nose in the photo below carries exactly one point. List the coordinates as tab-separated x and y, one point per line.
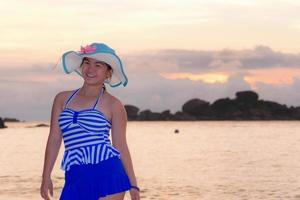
91	68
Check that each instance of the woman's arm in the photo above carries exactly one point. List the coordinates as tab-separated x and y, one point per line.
119	122
54	138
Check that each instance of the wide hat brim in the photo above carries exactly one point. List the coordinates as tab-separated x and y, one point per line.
71	61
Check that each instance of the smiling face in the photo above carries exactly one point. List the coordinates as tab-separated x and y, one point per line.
94	71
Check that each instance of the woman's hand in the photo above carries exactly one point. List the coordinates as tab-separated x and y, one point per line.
135	194
45	186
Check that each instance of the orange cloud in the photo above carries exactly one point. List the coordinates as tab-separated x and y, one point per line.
275	76
207	77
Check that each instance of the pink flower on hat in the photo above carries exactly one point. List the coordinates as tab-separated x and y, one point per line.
87	49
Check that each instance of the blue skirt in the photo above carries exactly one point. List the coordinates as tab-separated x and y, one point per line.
92	181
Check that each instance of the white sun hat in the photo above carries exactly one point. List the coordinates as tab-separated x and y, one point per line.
71	60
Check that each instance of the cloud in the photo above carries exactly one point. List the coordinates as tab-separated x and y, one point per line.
208	78
160	80
260	57
217	66
284	94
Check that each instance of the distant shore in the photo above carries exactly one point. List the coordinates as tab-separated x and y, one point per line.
245	106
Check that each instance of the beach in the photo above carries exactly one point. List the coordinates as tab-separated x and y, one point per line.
206	160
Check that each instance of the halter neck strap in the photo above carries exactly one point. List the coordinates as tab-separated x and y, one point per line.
100	95
71	97
76	92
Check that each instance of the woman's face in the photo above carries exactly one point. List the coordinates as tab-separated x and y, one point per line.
94	71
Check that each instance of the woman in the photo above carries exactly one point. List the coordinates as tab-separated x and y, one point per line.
94	168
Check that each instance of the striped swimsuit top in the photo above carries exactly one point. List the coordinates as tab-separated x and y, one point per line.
85	134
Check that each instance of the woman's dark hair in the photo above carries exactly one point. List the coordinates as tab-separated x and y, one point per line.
109	67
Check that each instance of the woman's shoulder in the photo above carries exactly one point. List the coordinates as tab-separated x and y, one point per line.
62	96
114	102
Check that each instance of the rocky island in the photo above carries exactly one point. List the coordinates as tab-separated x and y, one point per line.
2	125
245	106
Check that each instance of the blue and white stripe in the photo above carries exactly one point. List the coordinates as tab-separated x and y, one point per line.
86	136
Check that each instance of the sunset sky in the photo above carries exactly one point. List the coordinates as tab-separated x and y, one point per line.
172	50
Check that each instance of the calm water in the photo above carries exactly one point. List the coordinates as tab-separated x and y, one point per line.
207	160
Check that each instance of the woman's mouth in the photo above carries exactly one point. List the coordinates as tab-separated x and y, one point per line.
90	75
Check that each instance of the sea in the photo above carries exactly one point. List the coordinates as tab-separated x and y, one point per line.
186	160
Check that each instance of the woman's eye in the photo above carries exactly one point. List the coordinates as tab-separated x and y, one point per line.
100	65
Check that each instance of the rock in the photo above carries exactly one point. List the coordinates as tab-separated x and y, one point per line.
11	120
132	112
2	125
38	125
295	112
248	97
225	109
196	107
166	115
275	110
182	116
144	115
148	115
42	125
255	113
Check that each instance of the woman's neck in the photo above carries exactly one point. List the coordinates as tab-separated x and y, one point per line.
90	90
